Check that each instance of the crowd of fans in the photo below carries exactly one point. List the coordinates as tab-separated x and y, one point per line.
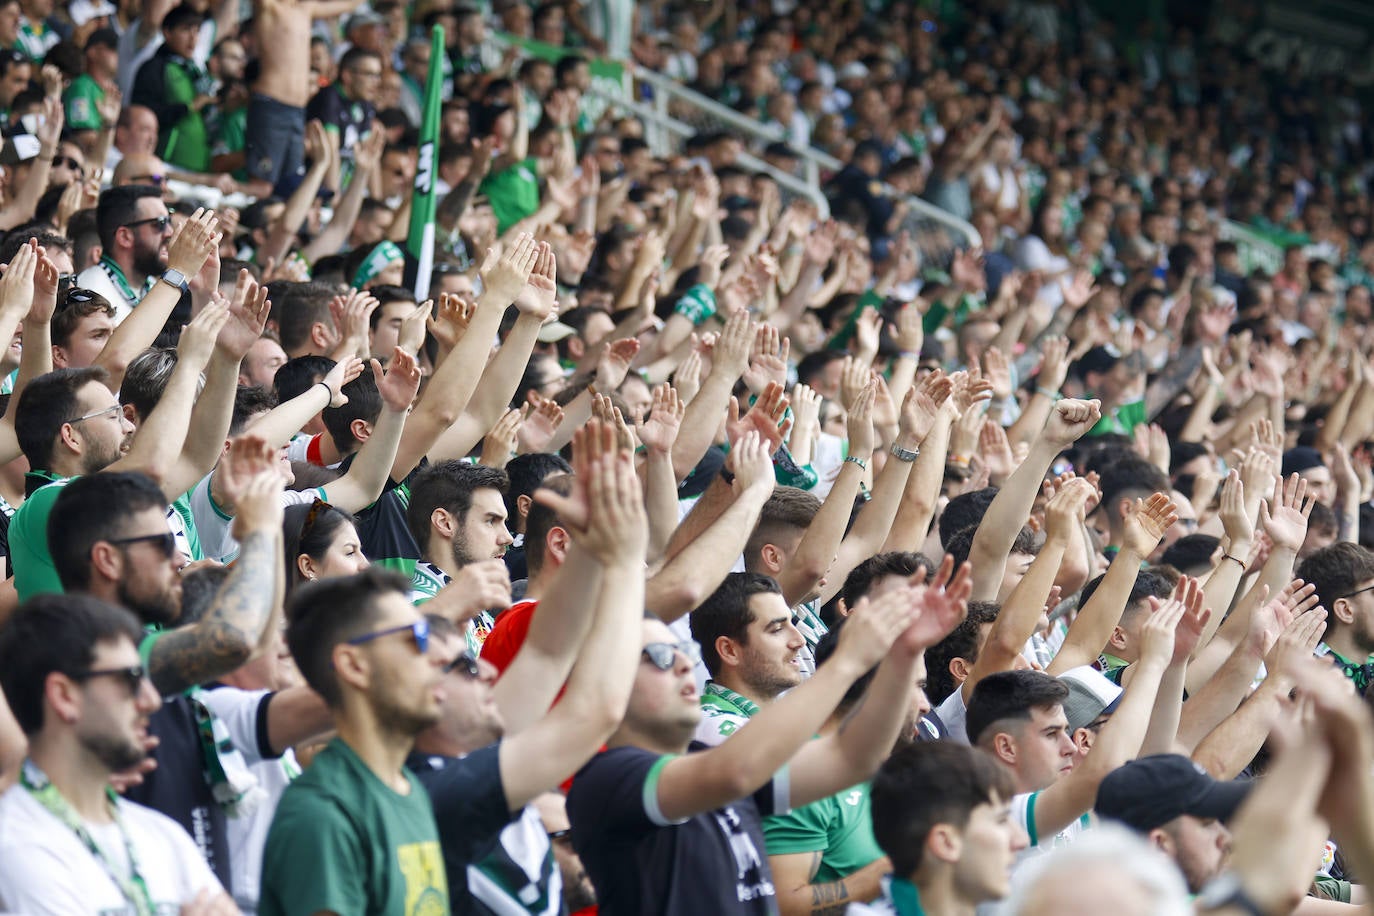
680	550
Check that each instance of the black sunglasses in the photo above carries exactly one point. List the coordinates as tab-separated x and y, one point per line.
466	665
70	163
160	223
166	541
133	676
663	655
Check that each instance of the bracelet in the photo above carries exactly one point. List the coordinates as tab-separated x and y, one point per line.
912	355
329	392
1227	556
726	475
1052	395
904	454
863	465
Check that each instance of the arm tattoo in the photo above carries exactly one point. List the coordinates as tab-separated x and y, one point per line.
228	633
829	899
1175	377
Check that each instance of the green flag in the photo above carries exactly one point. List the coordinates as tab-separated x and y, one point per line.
420	241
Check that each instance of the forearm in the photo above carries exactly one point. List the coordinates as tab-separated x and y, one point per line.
1199	421
158	442
1276	574
1004	519
1229	747
816	551
794	304
1093	626
1173	379
832	898
282	422
1217	698
1019	615
211	416
297	208
455	203
1120	739
1162	733
873	525
718	497
914	515
1032	418
660	501
137	332
368	473
702	419
702	565
333	236
21	209
36	357
497	384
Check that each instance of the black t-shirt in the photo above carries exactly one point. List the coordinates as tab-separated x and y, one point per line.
497	862
382	529
642	864
351	119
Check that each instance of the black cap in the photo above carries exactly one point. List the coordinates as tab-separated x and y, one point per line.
107	38
1296	460
1151	791
180	15
1098	359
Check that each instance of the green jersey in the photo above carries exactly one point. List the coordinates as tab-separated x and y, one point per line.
342	841
82	101
34	573
513	192
839	827
1122	420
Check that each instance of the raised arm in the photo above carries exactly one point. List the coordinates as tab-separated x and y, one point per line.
729	359
696	783
230	631
20	290
1010	508
551	749
367	475
1088	634
367	157
320	152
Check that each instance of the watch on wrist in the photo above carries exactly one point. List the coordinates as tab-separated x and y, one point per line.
173	277
1226	890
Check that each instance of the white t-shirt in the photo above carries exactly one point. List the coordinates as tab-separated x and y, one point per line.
96	280
214	526
45	869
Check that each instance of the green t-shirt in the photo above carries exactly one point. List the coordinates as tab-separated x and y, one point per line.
187	143
1122	420
342	841
839	827
34	573
81	100
513	192
230	132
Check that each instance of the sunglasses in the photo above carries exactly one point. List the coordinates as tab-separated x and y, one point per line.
466	665
663	655
70	163
165	542
133	676
419	631
160	223
66	284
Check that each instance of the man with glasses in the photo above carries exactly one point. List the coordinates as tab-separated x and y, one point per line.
356	832
135	228
498	745
1344	578
71	673
346	109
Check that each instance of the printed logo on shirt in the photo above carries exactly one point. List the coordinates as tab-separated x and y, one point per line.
750	883
853	798
422	865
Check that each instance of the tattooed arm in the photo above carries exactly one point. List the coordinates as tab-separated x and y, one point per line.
794	874
231	629
1175	377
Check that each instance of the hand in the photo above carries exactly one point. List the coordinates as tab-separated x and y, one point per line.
50	131
911	327
542	417
942	604
1295	646
317	143
1065	510
873	626
768	361
1284	517
498	445
970	388
17	284
503	278
997	371
210	902
659	432
1189	593
996	450
193	243
257	504
618	531
854	378
400	383
449	325
482	585
819	247
1079	290
1343	471
615	362
367	154
589	444
1258	472
1152	445
1235	520
708	265
197	341
1270	618
247	318
687	376
411	336
539	297
1157	634
764	418
344	371
730	356
867	332
885	415
1146	523
1070	420
921	408
858	423
45	281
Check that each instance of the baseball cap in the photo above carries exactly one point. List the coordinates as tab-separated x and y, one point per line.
1090	695
363	17
103	38
1151	791
83	11
1098	359
19	148
554	331
1296	460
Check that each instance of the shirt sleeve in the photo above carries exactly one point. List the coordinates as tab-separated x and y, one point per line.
507	636
618	790
469	799
1023	813
807	829
244	714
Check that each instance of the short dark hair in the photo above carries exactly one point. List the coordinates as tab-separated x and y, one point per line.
20	236
893	563
448	485
541	520
364	403
1009	696
726	612
119	206
249	401
813	364
962	642
964	511
45	404
1191	551
297	376
788	508
1337	571
960	545
93	508
323	613
926	783
301	306
54	633
528	472
1131	474
70	313
385	295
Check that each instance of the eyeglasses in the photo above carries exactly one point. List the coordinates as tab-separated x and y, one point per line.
166	542
663	655
419	631
66	284
1359	591
557	835
160	223
133	676
370	74
465	664
113	408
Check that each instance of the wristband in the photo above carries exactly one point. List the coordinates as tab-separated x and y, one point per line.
726	475
1227	556
328	392
904	454
863	465
909	354
1052	395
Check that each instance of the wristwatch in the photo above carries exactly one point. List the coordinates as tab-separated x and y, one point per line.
1226	890
173	277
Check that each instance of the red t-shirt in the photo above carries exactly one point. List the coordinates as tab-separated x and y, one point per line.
508	635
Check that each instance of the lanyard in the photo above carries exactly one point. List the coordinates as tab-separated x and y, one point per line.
134	888
116	275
